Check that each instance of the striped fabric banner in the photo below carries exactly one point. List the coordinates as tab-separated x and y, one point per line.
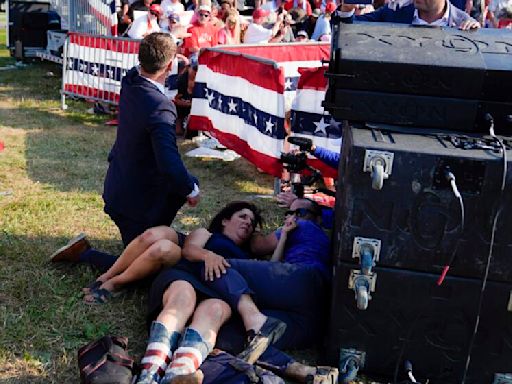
96	65
243	93
241	101
309	119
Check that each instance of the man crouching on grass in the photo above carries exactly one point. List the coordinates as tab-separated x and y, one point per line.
146	182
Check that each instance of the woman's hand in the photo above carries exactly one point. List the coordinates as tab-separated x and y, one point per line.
289	224
214	266
286	198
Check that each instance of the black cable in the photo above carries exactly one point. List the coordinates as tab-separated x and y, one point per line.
489	256
450	177
480	299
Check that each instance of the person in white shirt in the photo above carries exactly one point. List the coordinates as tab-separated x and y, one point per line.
171	6
256	33
146	24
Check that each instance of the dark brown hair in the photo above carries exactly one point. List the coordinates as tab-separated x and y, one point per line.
156	51
229	210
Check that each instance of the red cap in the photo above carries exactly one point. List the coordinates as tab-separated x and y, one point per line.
155	8
330	7
259	13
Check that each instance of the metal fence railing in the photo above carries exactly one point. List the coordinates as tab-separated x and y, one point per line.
93	67
85	16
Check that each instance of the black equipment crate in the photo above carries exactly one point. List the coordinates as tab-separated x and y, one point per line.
414	76
416	215
416	218
410	317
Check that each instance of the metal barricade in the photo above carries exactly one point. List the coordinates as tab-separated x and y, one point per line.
62	8
94	66
94	17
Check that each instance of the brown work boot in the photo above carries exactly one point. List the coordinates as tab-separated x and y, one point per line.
72	250
194	378
270	332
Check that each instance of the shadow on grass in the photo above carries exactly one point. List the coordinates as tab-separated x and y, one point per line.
44	320
63	154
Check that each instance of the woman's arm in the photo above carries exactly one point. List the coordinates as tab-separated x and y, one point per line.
193	250
262	245
289	225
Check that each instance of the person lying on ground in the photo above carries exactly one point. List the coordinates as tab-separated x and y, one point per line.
156	248
294	288
292	293
174	353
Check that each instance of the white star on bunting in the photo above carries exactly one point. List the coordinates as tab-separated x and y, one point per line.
288	84
220	102
95	69
255	118
320	127
268	126
209	96
232	106
335	124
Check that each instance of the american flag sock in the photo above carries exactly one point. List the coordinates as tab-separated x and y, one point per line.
158	354
191	353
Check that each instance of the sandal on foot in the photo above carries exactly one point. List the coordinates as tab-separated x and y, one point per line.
91	287
101	296
270	332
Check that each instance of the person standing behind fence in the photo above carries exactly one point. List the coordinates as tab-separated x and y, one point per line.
203	32
146	24
146	182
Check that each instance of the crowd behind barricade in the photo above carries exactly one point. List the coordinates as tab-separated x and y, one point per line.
196	24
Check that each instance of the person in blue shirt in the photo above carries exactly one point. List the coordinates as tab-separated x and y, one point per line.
216	265
294	289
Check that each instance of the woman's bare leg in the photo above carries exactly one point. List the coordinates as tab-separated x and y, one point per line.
161	253
136	248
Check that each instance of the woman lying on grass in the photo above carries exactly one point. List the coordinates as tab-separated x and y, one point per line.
217	265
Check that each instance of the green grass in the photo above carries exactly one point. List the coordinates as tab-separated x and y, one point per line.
4	53
51	175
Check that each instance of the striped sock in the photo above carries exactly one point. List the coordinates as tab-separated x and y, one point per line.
191	353
158	353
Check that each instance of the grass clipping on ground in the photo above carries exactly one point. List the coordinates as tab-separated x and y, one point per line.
51	177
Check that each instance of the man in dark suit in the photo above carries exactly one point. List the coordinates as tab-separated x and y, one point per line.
146	182
439	13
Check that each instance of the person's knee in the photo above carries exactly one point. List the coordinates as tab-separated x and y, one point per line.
217	311
180	295
152	235
164	250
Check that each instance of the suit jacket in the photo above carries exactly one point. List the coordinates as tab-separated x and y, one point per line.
146	177
405	15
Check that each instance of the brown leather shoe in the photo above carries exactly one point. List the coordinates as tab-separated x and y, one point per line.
72	250
194	378
270	332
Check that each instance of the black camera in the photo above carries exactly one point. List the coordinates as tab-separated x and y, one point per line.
297	162
303	143
294	162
